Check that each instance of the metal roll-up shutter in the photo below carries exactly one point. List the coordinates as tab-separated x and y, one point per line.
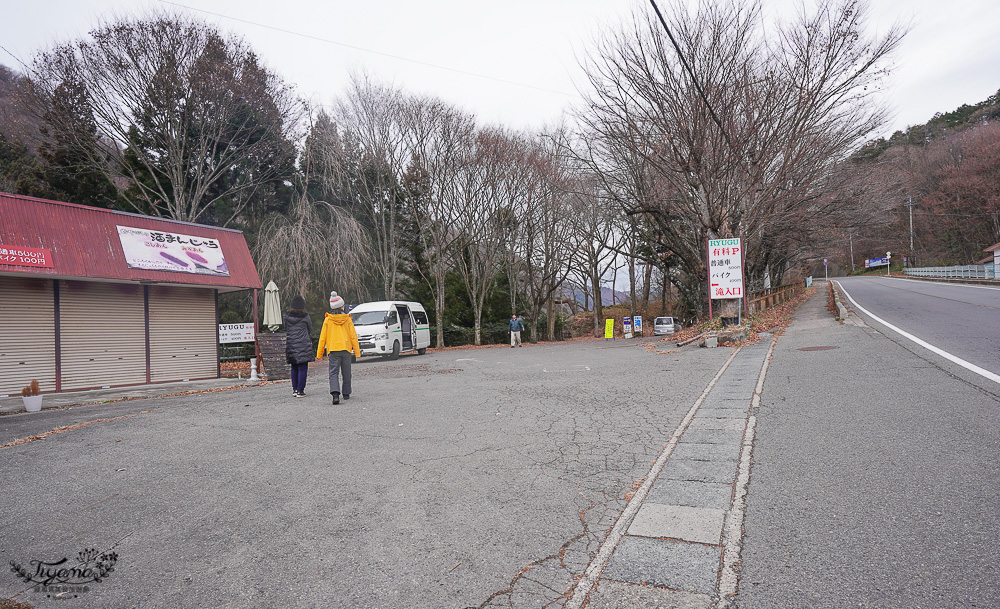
102	334
27	334
182	334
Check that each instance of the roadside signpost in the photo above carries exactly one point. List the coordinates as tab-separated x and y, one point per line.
637	324
627	327
725	270
609	329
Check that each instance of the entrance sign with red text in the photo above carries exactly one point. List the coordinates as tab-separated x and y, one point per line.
725	268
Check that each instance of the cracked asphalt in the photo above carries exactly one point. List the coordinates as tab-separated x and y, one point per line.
461	478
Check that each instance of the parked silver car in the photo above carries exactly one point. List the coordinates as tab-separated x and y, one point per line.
665	325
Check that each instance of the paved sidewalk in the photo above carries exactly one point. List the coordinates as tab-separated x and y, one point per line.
672	552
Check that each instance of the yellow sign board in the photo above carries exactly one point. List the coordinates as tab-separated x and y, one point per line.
609	328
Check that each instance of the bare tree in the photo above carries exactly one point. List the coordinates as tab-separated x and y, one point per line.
744	142
189	117
597	241
315	243
492	181
439	135
544	238
374	121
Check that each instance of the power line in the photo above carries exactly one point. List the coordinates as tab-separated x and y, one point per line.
356	48
16	58
694	79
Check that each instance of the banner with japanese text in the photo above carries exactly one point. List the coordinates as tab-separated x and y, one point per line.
25	256
725	268
161	251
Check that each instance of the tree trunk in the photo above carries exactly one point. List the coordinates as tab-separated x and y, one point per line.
631	285
666	286
595	283
550	317
614	284
646	286
478	306
439	311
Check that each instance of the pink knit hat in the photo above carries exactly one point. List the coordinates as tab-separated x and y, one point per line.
336	302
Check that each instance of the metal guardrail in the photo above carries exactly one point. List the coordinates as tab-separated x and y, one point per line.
772	297
971	271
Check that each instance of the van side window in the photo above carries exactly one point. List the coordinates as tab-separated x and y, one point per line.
393	318
420	317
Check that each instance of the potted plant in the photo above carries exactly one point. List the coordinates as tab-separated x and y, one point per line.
32	397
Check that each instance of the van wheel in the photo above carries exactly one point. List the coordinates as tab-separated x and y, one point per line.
421	351
395	351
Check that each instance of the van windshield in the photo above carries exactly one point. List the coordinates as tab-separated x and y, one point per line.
660	321
368	318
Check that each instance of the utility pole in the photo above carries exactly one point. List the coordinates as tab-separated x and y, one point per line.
850	237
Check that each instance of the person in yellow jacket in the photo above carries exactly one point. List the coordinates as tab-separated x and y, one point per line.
339	339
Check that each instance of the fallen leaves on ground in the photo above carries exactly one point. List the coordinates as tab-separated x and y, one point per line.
66	428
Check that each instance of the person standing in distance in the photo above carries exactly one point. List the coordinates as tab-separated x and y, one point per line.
338	339
298	343
514	326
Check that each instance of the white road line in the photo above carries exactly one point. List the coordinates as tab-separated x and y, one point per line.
729	576
964	285
596	566
948	356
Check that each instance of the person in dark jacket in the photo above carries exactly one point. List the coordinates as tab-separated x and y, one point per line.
298	344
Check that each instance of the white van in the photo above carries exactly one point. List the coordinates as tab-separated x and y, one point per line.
665	325
391	327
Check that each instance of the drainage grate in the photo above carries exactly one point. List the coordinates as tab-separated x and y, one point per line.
824	348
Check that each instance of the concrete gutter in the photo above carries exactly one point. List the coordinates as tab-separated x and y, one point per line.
97	396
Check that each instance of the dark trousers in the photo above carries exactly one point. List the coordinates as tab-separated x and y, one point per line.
340	363
299	372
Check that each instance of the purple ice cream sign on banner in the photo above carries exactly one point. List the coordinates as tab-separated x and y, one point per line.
159	251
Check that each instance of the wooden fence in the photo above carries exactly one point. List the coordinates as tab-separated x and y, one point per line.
765	299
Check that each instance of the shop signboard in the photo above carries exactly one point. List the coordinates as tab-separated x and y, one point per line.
25	256
153	250
236	333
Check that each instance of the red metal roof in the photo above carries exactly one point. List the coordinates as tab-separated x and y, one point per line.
84	243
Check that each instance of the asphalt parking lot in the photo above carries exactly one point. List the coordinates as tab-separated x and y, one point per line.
461	478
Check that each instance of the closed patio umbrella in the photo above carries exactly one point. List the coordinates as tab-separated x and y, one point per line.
272	307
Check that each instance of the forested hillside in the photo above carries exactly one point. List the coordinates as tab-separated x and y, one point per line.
948	170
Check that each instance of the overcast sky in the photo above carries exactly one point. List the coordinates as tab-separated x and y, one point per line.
513	62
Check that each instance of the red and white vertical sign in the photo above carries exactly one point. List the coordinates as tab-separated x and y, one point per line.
725	268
